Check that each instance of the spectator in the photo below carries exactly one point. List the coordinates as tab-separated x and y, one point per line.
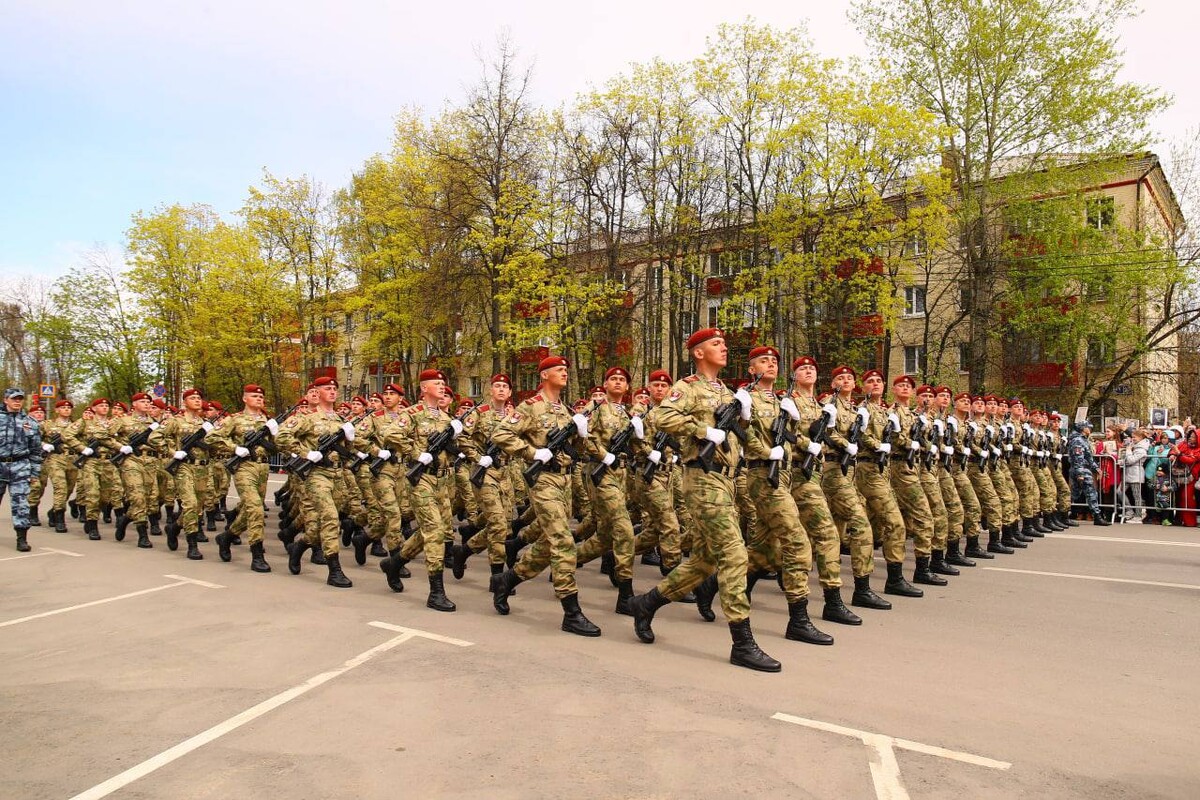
1110	475
1185	471
1164	494
1157	456
1133	466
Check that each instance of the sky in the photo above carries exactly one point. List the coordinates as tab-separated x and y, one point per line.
125	105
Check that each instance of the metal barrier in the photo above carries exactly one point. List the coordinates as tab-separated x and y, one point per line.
1124	510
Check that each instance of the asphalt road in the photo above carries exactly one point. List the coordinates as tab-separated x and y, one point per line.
123	674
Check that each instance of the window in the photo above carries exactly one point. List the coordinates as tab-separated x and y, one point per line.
528	380
917	245
349	324
1098	353
476	386
914	301
1101	212
327	359
964	296
714	309
346	359
964	356
914	360
725	264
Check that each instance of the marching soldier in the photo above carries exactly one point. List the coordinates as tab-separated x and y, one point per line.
1083	472
906	483
1062	489
189	481
1028	500
37	482
928	462
20	457
661	526
385	531
138	469
58	468
93	439
250	477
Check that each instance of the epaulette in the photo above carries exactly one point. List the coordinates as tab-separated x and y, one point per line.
691	379
380	412
483	408
417	407
531	400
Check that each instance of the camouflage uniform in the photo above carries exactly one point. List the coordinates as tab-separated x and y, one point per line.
431	495
614	530
100	484
882	508
910	495
810	500
323	490
389	431
191	477
57	467
138	470
250	478
661	528
845	503
20	458
1083	465
495	497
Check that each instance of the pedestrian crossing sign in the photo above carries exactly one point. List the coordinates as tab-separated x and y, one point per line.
47	390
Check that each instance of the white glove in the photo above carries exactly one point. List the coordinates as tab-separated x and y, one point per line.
966	451
851	449
47	448
273	427
953	423
983	455
1008	448
776	453
715	435
126	449
609	459
485	461
940	427
87	451
947	450
241	452
425	458
996	452
933	448
348	431
361	455
154	426
314	456
655	457
913	444
674	459
892	418
208	427
815	448
924	420
788	406
639	430
543	455
990	430
743	398
386	455
581	424
830	411
179	455
1058	456
457	427
885	448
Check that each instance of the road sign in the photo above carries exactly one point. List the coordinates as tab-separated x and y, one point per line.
159	390
47	390
1122	389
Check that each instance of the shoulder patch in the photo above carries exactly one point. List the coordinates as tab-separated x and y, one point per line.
691	379
483	408
513	418
531	400
675	395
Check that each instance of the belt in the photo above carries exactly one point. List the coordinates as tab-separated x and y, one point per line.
757	463
726	470
899	457
13	459
866	459
554	466
833	458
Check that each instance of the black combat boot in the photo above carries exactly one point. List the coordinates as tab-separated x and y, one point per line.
1047	523
922	574
896	584
953	556
258	563
608	566
22	542
800	627
746	652
92	529
106	514
360	542
172	536
458	561
864	597
155	523
652	558
1066	520
347	526
573	619
35	521
512	550
437	594
705	592
296	553
122	526
1009	538
501	585
172	514
223	547
835	610
1099	519
74	509
624	595
937	564
391	567
201	536
377	549
222	512
974	550
644	607
230	516
753	576
337	578
193	549
1029	530
317	556
143	536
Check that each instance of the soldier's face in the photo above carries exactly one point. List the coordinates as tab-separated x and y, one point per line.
501	391
376	403
962	406
990	407
327	394
64	412
843	383
255	401
642	397
978	406
616	386
14	404
555	377
903	392
806	376
193	402
658	390
925	400
37	413
943	401
873	386
390	399
142	406
767	366
714	352
356	409
100	409
118	411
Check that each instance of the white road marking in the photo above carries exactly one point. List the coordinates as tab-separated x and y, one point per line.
254	712
186	579
139	593
1119	539
62	552
1095	578
885	770
387	626
47	551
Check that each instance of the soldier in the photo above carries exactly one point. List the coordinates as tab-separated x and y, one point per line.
1062	489
20	457
661	528
37	482
810	499
957	422
523	434
1029	500
928	464
718	554
610	504
100	483
138	469
956	491
1040	467
250	476
58	469
385	531
189	481
906	482
982	436
997	410
323	490
1084	471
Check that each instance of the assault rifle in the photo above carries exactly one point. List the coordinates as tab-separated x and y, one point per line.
726	420
816	433
933	443
479	471
889	431
137	442
951	441
780	435
862	418
301	466
81	459
662	441
915	435
261	436
194	439
557	441
55	441
442	441
617	446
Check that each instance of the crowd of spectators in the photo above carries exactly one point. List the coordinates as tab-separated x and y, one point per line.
1146	473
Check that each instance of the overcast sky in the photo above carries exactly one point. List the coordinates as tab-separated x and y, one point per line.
118	106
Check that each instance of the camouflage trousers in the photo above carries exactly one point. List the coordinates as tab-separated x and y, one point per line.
969	500
661	527
914	505
387	523
14	479
61	475
747	513
985	492
882	509
1028	498
100	484
166	485
323	494
1006	490
716	544
682	512
356	503
219	480
141	487
431	499
1047	493
932	488
849	514
614	530
1083	490
494	499
37	485
955	513
582	501
779	540
464	504
190	483
365	481
250	482
555	546
1061	486
818	522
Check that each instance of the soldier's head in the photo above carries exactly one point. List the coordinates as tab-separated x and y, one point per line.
843	380
100	407
312	396
432	387
804	372
327	391
942	397
962	404
193	401
1084	427
141	403
873	383
597	394
358	406
64	408
119	409
707	348
616	383
391	396
88	413
902	389
990	406
14	399
375	401
38	413
501	389
1017	408
925	395
978	405
254	398
642	396
214	409
659	385
764	361
552	372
